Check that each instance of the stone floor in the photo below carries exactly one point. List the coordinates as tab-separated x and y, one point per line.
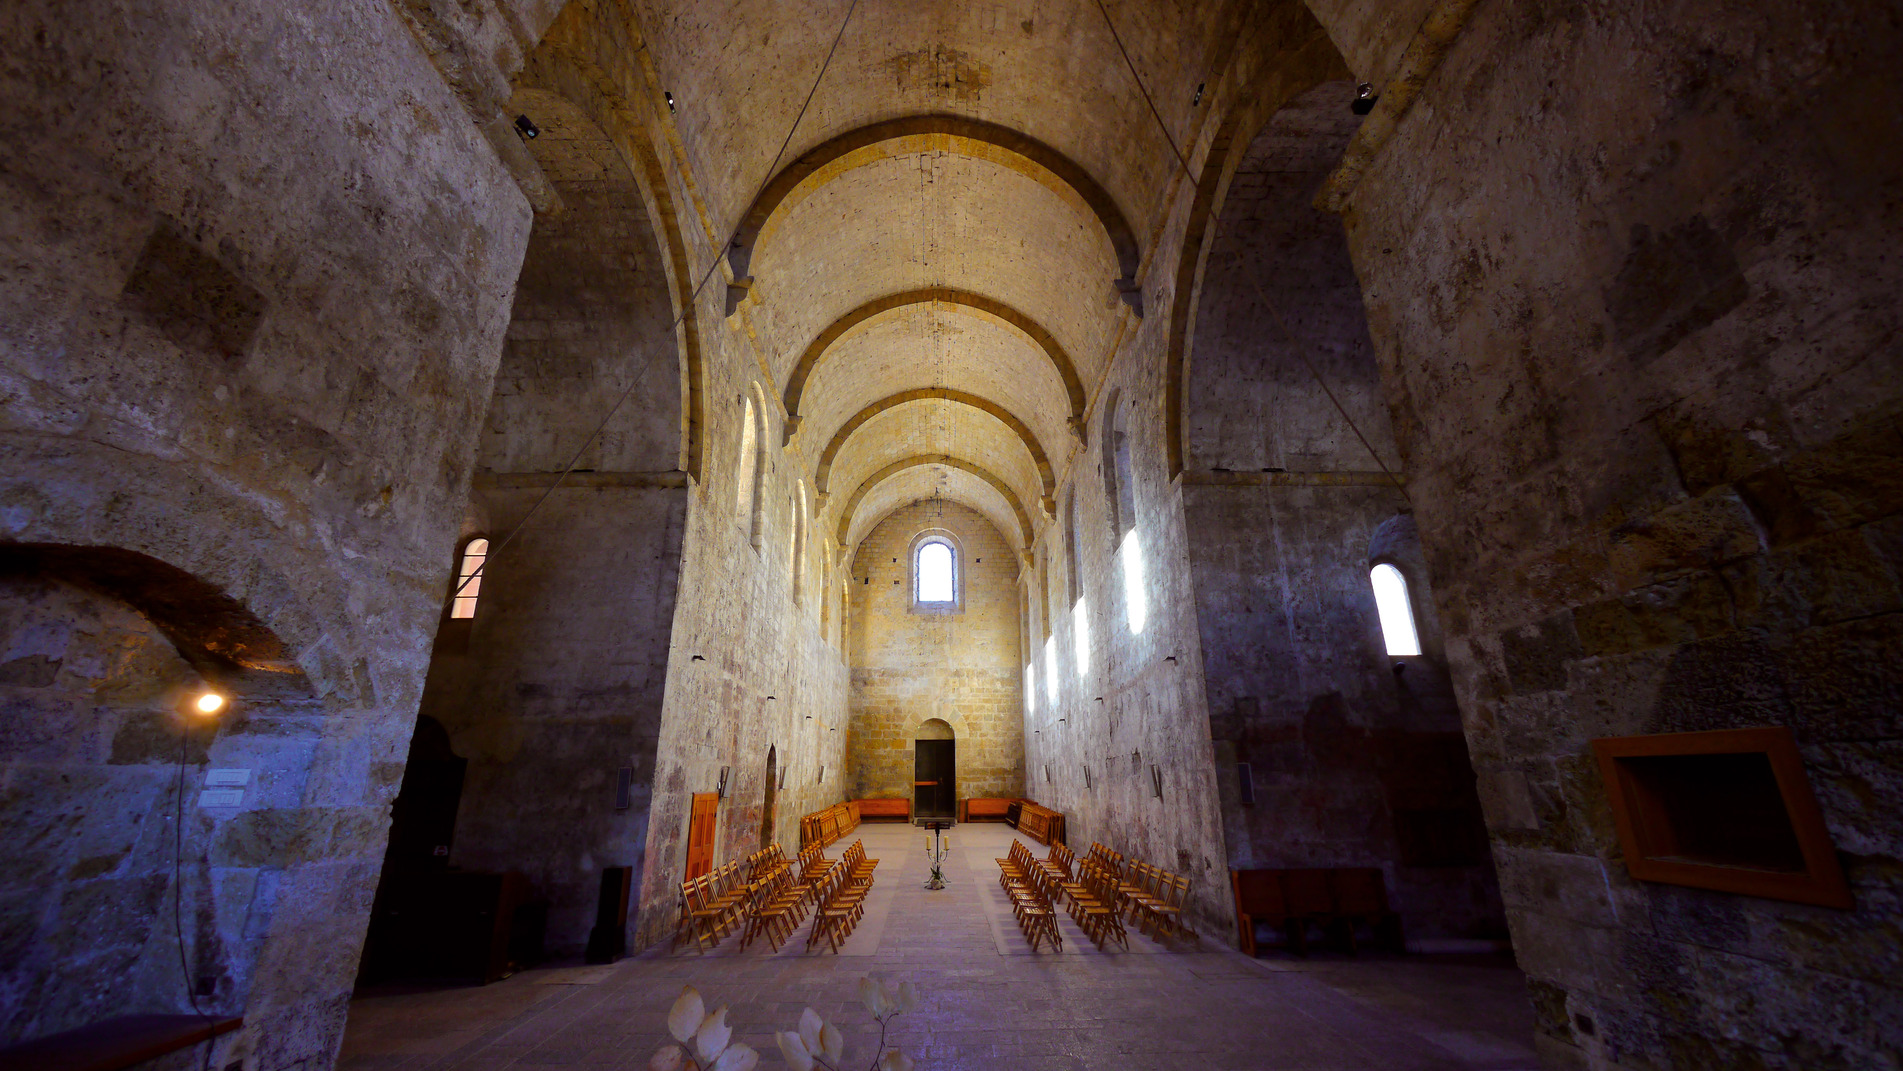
1208	1008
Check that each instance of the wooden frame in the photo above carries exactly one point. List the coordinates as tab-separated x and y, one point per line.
1649	836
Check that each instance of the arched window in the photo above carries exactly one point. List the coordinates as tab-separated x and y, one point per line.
748	467
462	603
935	573
1397	611
1119	487
1072	565
1079	610
799	545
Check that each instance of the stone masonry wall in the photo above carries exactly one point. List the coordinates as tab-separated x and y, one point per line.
257	261
749	669
910	665
89	690
1637	322
1351	763
558	682
559	686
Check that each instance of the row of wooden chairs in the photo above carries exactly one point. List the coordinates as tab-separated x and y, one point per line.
1094	903
1152	897
780	901
843	899
1029	886
763	864
713	905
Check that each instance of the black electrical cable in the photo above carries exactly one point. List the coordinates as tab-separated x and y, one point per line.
1274	315
686	307
178	888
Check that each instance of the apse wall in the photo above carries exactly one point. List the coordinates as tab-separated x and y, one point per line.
258	260
913	663
1638	329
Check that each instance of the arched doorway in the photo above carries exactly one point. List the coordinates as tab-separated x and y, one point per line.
934	770
772	796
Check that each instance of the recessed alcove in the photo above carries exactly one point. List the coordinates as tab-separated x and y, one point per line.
1729	810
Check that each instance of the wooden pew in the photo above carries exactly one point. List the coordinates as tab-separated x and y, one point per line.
885	809
984	809
1337	899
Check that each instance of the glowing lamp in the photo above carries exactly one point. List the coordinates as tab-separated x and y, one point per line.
209	703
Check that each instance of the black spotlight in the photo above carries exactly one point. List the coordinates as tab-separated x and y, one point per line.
1364	99
527	128
670	101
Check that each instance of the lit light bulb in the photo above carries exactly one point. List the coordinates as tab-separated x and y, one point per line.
210	703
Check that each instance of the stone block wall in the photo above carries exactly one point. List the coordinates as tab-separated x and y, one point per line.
911	664
1351	762
558	686
750	669
1638	326
257	267
94	749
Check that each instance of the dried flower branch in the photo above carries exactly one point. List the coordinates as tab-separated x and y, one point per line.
706	1041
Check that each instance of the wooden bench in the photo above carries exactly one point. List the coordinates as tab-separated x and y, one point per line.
1337	899
984	810
113	1044
884	808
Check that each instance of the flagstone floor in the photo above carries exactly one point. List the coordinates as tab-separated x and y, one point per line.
1209	1008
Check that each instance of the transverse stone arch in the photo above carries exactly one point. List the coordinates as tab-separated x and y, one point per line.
824	472
827	159
859	493
809	360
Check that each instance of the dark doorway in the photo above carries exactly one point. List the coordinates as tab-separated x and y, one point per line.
772	797
422	825
934	778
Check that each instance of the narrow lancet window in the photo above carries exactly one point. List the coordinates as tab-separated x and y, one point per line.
1397	613
469	579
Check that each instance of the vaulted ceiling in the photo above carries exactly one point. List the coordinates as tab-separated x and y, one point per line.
937	266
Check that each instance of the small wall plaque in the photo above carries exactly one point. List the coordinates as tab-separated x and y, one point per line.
221	797
227	778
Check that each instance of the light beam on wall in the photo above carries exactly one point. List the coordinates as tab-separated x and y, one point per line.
1080	627
1136	599
1050	669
